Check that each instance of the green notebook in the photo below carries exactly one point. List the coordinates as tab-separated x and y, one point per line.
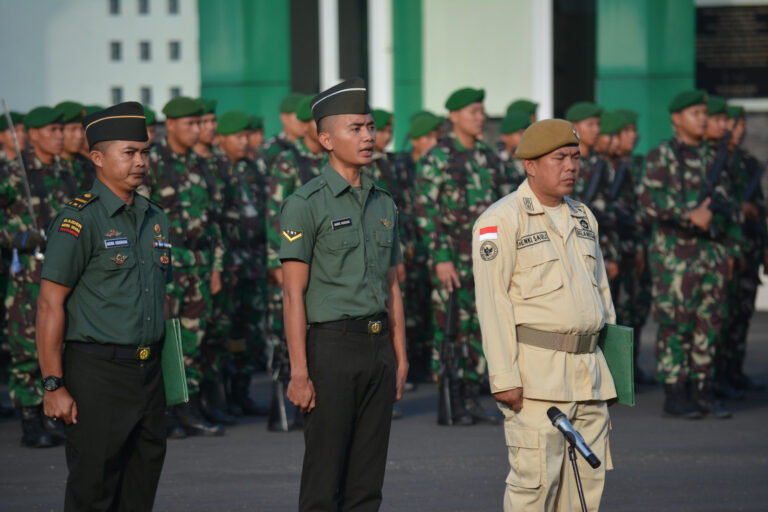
174	377
616	342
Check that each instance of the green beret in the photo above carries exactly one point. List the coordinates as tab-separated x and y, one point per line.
463	97
524	106
687	99
734	112
545	136
629	116
73	111
514	121
233	121
290	103
92	109
423	123
716	105
124	121
42	116
150	115
303	110
348	97
582	110
611	122
182	106
381	118
16	118
257	123
209	106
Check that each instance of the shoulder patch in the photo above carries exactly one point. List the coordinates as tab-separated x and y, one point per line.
81	201
312	186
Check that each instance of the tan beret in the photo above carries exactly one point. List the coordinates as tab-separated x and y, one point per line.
545	136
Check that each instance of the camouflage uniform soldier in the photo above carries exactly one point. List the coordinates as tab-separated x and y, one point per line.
382	169
255	136
687	262
22	237
512	127
293	129
72	160
187	198
593	184
456	181
527	107
151	119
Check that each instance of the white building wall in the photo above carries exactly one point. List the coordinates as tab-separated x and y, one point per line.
60	51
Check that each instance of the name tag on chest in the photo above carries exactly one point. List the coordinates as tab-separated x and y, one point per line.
341	223
113	243
532	239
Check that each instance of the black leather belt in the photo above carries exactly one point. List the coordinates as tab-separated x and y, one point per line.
112	351
375	325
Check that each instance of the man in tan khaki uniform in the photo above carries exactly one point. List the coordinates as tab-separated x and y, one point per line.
542	297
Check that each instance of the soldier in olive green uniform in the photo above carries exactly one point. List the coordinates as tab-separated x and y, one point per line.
339	252
102	294
71	159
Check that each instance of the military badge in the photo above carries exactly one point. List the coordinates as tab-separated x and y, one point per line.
584	224
164	259
119	258
488	251
157	228
528	204
292	235
386	222
112	233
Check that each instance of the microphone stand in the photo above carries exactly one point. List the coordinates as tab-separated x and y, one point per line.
572	456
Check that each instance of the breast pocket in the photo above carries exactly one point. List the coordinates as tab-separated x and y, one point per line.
116	266
538	270
384	240
589	255
341	243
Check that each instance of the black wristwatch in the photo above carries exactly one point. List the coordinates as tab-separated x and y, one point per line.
52	383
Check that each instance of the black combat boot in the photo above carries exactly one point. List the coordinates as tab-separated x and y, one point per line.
33	434
191	418
722	387
474	408
240	395
705	401
55	429
213	402
173	429
459	415
676	403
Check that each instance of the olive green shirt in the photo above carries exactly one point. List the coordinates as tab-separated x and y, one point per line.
349	244
116	259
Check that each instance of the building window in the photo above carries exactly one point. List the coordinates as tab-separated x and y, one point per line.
117	95
146	95
173	6
114	7
115	51
174	50
143	6
175	92
145	51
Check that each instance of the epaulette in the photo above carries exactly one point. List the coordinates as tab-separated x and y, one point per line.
81	201
382	189
310	187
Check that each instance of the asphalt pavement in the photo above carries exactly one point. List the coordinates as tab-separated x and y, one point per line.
660	464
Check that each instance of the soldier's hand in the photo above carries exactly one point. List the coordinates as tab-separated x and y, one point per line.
640	263
401	273
731	265
701	216
215	282
750	211
60	404
402	375
612	269
447	275
512	398
301	393
29	240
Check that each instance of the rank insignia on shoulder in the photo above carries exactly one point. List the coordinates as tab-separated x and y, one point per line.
386	222
488	251
119	258
71	226
80	202
528	204
292	235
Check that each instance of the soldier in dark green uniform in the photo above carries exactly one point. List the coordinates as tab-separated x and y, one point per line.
102	294
70	157
339	252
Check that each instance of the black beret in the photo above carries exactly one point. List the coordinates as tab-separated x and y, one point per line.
348	97
124	121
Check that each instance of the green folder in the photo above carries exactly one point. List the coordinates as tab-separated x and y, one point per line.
616	342
174	378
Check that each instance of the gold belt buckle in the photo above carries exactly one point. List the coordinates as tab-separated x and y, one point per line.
374	327
143	353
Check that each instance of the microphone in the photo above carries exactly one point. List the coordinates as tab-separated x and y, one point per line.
560	421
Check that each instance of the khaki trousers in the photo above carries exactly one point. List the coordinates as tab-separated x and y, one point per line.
541	476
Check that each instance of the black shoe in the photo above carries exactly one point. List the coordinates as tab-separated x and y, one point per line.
723	389
475	409
240	394
192	420
33	434
55	429
704	399
676	403
744	382
172	428
451	408
213	402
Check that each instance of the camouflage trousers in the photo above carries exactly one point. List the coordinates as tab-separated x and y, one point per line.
217	342
470	360
742	291
190	300
688	303
24	382
417	291
250	323
631	293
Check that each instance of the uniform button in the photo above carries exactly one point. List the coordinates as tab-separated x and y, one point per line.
146	290
148	319
142	262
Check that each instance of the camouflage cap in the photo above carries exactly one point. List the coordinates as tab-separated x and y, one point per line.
209	106
42	116
73	111
150	115
303	110
257	123
233	121
687	99
290	103
545	136
381	118
514	121
716	105
182	106
582	110
463	97
522	105
736	112
423	123
16	118
611	122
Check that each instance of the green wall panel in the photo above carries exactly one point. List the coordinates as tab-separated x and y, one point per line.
407	39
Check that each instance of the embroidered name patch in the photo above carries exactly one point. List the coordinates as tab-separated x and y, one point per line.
111	243
341	223
585	233
533	239
489	233
488	251
292	235
71	226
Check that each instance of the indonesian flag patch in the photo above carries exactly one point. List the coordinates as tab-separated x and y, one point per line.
489	233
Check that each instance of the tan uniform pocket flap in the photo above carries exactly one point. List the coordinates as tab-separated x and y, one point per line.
524	457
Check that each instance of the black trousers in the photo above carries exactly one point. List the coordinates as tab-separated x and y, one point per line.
347	434
115	452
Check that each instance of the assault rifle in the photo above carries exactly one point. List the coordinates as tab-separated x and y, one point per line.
718	202
448	380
